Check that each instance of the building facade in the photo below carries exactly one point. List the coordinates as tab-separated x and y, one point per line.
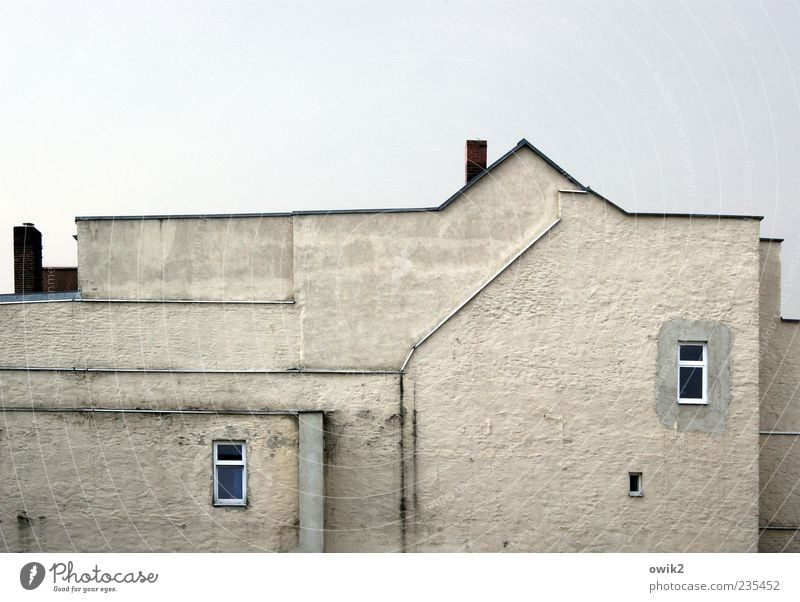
527	367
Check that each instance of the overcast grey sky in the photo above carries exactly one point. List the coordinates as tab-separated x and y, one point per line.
185	107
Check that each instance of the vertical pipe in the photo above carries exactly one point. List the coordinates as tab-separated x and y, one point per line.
403	511
311	482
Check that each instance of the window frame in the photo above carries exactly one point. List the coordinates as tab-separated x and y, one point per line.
693	364
636	492
217	463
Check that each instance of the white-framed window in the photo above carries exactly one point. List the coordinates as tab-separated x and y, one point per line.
635	484
693	372
230	473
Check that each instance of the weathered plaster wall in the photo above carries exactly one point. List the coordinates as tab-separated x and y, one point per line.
393	276
139	483
524	413
367	285
237	258
371	285
149	335
780	411
530	407
362	470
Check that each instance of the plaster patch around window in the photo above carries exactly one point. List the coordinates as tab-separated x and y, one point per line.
710	417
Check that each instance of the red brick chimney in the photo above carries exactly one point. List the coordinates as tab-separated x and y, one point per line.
27	259
475	163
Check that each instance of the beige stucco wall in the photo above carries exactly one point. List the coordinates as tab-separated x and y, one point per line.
521	416
371	285
236	258
149	335
533	404
362	468
780	411
367	286
139	483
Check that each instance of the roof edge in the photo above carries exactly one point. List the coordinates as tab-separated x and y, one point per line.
521	144
674	214
460	192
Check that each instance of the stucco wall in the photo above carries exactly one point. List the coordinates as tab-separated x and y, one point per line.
367	285
362	422
149	335
236	258
139	483
362	453
532	405
521	417
371	285
780	411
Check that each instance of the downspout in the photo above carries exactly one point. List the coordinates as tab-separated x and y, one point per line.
402	409
403	501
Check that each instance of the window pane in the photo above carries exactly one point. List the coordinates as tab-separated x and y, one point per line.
229	452
692	353
634	483
229	482
691	383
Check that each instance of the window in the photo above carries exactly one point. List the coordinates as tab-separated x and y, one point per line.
230	475
635	484
692	373
706	348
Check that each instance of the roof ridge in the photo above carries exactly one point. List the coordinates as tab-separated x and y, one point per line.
523	143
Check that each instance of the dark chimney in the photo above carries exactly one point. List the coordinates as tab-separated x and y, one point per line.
27	259
475	159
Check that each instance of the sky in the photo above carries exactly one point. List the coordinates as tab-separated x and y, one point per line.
138	107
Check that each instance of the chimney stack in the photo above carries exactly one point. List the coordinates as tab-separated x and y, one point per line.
475	159
27	259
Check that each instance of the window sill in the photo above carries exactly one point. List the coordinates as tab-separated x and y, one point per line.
230	505
692	402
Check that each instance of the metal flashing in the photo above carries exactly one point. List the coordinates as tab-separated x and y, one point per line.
522	144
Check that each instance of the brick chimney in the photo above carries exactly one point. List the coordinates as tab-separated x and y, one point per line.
27	259
475	163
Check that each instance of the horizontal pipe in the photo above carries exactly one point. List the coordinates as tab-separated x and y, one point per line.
790	433
196	370
187	301
152	411
26	302
219	301
779	528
